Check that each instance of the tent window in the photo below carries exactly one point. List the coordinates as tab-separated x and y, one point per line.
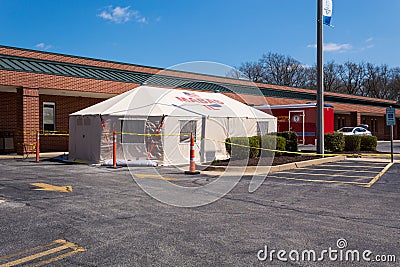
49	116
262	127
86	121
79	121
129	129
187	127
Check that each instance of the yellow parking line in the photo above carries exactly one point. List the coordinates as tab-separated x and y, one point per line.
379	175
59	257
328	175
153	176
316	181
63	245
49	187
27	251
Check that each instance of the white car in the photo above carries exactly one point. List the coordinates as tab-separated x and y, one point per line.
354	131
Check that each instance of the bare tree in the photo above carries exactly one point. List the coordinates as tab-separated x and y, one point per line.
332	81
394	85
253	70
283	70
376	81
351	76
357	79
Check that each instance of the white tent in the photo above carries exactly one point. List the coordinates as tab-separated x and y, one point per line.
140	114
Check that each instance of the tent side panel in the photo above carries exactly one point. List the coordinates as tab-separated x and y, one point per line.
85	132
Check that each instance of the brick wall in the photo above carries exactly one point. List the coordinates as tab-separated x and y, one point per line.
64	105
8	111
35	80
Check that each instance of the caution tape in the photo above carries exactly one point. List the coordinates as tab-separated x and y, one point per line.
157	135
47	133
62	133
265	149
54	134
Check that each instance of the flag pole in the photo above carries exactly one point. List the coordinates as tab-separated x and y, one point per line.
320	80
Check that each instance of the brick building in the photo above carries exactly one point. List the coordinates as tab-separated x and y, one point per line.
38	90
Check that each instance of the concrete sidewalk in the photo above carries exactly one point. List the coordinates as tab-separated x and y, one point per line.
45	155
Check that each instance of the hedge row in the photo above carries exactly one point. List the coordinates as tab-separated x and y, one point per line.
337	142
241	150
291	140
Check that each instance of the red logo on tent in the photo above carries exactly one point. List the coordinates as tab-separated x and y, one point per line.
211	104
190	94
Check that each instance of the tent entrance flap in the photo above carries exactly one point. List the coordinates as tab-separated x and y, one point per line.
140	138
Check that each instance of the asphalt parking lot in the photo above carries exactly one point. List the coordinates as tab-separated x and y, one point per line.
92	216
348	172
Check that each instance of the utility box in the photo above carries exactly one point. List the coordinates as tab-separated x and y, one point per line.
302	119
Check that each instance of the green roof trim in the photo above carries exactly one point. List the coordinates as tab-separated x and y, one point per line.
15	63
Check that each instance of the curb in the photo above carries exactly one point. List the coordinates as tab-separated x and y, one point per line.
289	166
32	155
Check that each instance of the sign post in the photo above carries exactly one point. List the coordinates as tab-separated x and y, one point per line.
391	121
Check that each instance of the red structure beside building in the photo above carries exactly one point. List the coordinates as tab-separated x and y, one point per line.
301	118
38	91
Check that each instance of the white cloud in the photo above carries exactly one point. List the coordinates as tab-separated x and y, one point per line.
43	46
121	15
334	47
370	39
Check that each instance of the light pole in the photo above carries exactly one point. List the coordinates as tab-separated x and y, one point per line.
320	80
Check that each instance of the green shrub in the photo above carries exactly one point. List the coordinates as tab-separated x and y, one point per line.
238	147
272	142
352	142
334	142
291	140
254	143
280	145
368	143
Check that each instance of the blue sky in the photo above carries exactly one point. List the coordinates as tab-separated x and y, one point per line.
163	33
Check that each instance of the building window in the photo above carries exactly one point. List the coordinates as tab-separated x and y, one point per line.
49	116
341	122
132	131
374	125
262	127
187	127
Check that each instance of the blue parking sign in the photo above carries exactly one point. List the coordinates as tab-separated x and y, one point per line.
390	116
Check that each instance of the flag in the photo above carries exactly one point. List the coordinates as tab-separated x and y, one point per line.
327	12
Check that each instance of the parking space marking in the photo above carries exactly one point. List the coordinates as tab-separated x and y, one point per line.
60	245
335	170
352	166
315	181
49	187
154	176
328	175
379	175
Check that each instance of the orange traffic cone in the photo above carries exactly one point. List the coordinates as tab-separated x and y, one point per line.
192	167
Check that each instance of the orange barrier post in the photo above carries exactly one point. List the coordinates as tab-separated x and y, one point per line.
37	147
115	149
192	167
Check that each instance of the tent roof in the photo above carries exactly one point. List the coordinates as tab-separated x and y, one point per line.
152	101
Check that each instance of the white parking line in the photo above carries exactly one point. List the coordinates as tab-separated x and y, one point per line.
334	170
316	181
324	174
